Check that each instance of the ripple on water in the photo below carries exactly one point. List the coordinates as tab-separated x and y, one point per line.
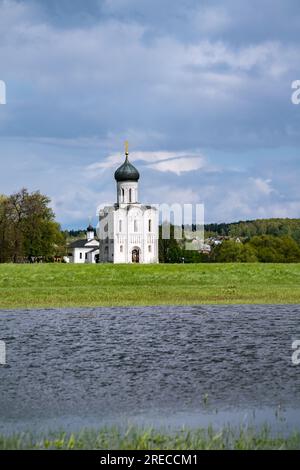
101	364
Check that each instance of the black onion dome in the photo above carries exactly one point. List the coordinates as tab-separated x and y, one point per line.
127	172
90	228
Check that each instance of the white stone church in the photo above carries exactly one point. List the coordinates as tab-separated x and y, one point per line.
128	230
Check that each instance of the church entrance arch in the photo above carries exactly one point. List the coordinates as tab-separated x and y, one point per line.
135	255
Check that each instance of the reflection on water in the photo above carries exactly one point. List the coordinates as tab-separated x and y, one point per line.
168	366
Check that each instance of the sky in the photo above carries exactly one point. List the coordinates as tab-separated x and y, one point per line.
200	89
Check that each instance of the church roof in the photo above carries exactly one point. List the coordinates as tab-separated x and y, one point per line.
127	172
90	228
78	244
83	243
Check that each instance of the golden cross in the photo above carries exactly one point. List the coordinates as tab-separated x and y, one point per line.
126	147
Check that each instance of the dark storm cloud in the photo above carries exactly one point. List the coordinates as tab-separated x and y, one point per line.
199	77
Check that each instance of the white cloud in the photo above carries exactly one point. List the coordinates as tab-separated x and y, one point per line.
162	161
249	198
117	158
284	209
179	165
262	185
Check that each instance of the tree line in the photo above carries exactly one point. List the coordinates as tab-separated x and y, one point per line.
29	232
261	248
251	228
264	248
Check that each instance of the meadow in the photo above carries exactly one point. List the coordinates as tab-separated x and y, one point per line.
66	285
151	439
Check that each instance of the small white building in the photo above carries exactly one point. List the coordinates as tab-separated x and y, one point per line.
128	230
84	251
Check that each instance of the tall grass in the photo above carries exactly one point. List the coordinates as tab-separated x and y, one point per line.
150	439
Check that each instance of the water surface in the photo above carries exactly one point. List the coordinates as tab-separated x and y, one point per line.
165	366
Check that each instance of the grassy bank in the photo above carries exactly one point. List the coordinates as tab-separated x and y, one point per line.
143	439
62	285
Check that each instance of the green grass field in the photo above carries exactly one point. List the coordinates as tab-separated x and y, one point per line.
63	285
150	439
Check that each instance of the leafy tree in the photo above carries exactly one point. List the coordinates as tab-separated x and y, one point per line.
193	256
232	252
272	249
170	250
28	228
5	231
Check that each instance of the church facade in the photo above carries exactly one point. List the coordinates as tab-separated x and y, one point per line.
128	230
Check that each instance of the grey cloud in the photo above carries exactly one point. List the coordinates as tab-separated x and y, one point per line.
171	75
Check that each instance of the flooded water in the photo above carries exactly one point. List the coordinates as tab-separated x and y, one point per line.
162	366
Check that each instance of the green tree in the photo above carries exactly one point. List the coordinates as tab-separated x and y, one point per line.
170	250
227	252
6	230
272	249
232	252
28	228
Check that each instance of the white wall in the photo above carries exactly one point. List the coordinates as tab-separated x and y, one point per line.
106	234
91	256
123	192
76	255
